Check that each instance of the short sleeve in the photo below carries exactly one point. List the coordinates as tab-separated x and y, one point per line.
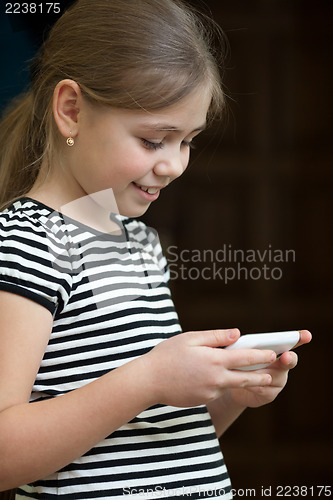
27	255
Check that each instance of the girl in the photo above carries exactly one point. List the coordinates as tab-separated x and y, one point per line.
122	402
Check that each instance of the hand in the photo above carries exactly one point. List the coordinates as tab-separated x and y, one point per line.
258	396
189	370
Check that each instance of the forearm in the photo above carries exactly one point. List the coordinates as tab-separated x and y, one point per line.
224	412
40	438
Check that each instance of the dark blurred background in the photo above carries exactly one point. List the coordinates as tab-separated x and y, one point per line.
259	181
264	180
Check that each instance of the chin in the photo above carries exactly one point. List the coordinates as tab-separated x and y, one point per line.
134	212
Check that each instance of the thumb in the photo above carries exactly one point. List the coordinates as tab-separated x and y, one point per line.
216	338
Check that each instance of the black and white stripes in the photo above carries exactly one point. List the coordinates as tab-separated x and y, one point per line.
110	301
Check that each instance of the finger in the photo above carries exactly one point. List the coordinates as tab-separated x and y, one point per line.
249	357
242	379
288	360
304	338
214	338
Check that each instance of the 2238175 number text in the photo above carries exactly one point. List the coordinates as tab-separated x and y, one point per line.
304	491
32	8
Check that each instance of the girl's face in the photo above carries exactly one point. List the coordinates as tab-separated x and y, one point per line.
133	152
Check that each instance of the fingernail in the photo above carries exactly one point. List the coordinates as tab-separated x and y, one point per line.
232	334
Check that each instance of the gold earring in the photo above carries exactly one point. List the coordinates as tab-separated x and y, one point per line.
70	140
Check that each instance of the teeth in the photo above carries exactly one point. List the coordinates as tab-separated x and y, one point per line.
149	190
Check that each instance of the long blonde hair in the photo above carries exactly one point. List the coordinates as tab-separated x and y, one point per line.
130	54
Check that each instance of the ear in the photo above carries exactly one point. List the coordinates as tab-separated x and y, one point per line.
67	99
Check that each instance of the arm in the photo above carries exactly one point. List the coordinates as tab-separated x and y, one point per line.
225	410
39	438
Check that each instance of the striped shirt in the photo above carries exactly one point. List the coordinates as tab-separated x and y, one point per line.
110	302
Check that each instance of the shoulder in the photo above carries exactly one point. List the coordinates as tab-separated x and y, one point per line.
32	230
146	237
26	217
140	231
148	240
32	242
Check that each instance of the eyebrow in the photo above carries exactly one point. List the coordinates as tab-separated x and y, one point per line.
170	128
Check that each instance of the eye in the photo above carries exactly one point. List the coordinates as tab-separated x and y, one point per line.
152	145
188	144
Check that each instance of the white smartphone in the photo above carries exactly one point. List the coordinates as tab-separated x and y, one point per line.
276	341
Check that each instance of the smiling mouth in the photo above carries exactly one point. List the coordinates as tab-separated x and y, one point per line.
149	190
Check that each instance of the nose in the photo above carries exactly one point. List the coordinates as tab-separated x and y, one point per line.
171	165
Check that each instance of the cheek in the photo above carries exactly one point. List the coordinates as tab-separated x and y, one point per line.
113	163
131	162
90	156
